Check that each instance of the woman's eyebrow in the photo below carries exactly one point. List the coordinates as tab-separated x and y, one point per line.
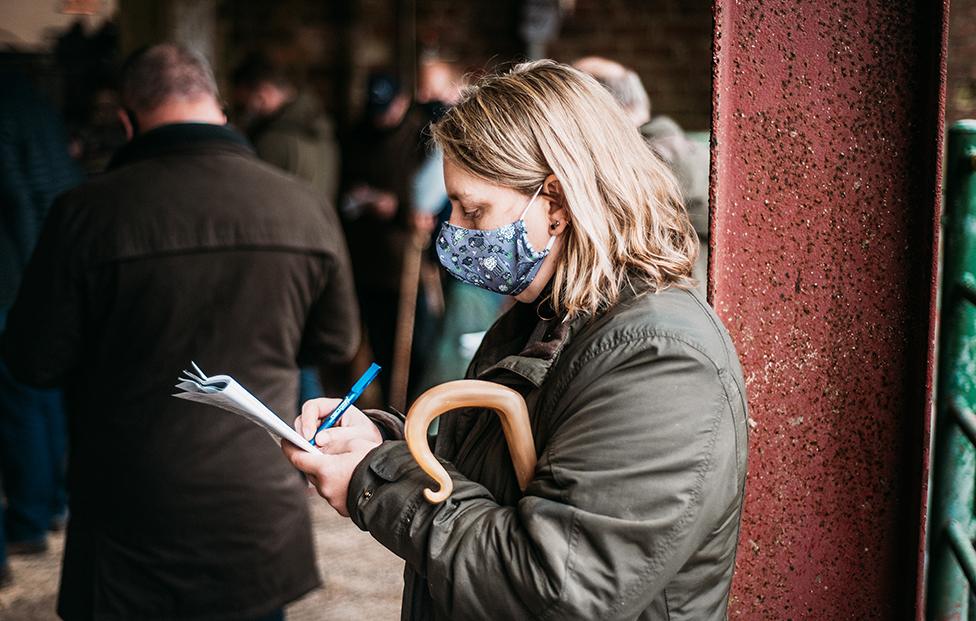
467	200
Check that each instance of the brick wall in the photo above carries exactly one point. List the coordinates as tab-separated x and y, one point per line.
481	34
334	44
668	42
961	84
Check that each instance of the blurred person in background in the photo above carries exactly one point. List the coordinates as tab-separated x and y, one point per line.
688	159
381	156
290	130
439	84
34	168
187	248
468	311
287	125
102	133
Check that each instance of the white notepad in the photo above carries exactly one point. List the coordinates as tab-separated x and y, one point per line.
224	392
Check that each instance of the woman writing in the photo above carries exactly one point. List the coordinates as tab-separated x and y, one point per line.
635	394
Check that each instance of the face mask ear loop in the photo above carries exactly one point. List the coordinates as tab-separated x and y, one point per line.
531	200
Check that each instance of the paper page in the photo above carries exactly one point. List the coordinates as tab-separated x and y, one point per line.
224	392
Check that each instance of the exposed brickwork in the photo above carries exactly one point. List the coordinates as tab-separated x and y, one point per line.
666	41
481	34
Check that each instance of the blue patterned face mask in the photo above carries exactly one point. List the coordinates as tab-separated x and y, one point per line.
500	260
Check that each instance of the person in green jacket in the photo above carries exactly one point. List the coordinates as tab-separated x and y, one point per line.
287	125
635	393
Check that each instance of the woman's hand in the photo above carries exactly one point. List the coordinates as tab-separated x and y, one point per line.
342	448
353	425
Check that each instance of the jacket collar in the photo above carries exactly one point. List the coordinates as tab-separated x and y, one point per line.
168	138
547	334
534	362
528	344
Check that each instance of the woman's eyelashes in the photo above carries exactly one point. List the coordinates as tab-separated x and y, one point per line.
471	213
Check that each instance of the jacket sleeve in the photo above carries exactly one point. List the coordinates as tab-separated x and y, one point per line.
390	424
43	336
639	469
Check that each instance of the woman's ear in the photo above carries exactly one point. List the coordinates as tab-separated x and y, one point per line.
558	214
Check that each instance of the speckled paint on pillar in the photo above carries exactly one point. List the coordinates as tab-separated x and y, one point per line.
826	165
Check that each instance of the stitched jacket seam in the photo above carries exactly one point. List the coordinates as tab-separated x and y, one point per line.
693	506
588	356
612	343
721	332
570	568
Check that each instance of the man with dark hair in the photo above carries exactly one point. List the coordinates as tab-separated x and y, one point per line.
187	248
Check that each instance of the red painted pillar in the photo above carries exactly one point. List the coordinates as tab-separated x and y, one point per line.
826	175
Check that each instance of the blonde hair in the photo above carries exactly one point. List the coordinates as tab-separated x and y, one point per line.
626	217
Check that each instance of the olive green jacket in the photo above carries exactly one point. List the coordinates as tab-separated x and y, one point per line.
639	419
300	140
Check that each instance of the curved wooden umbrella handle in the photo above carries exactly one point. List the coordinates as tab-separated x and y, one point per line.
511	409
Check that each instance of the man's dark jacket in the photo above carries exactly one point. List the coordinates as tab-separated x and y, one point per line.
188	249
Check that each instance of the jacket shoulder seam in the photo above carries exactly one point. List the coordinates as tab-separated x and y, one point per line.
596	351
717	326
695	503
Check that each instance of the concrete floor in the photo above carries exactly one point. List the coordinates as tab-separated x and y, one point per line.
353	566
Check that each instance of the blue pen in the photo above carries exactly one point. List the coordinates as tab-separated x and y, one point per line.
350	398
